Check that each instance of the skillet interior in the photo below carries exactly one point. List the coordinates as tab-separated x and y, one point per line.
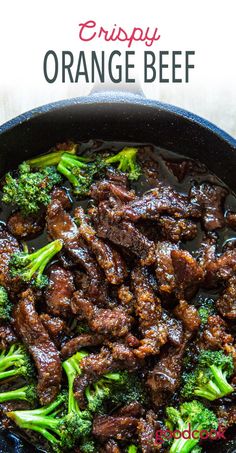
122	118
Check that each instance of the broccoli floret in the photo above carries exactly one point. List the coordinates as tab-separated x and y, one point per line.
87	445
207	309
101	390
127	160
15	362
209	380
79	171
29	267
132	449
128	389
193	415
62	429
30	190
49	159
26	393
5	304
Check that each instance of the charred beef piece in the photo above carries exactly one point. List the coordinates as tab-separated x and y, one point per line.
158	201
147	428
165	378
211	199
221	268
123	233
82	341
42	349
100	320
188	273
110	447
231	219
189	316
60	225
8	246
215	336
121	428
174	328
126	298
59	291
133	409
148	310
103	190
226	415
108	258
62	196
176	230
25	227
226	304
164	267
7	336
56	327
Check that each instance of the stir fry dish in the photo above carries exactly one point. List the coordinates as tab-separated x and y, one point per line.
117	301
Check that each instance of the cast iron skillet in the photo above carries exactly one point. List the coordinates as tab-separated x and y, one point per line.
116	117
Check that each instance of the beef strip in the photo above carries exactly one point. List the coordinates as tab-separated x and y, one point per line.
226	304
121	428
148	310
147	428
61	226
56	327
188	273
123	233
133	409
189	316
215	336
165	378
45	355
109	259
226	415
158	201
174	328
103	190
7	336
82	341
211	199
25	227
62	196
221	268
231	219
164	267
176	230
8	246
59	291
103	321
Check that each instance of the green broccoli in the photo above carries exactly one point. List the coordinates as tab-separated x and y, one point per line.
129	388
5	304
101	390
132	449
209	380
49	159
87	445
29	267
26	393
127	162
191	415
15	361
30	190
62	428
79	171
206	309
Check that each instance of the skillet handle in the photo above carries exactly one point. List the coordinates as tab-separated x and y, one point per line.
128	88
